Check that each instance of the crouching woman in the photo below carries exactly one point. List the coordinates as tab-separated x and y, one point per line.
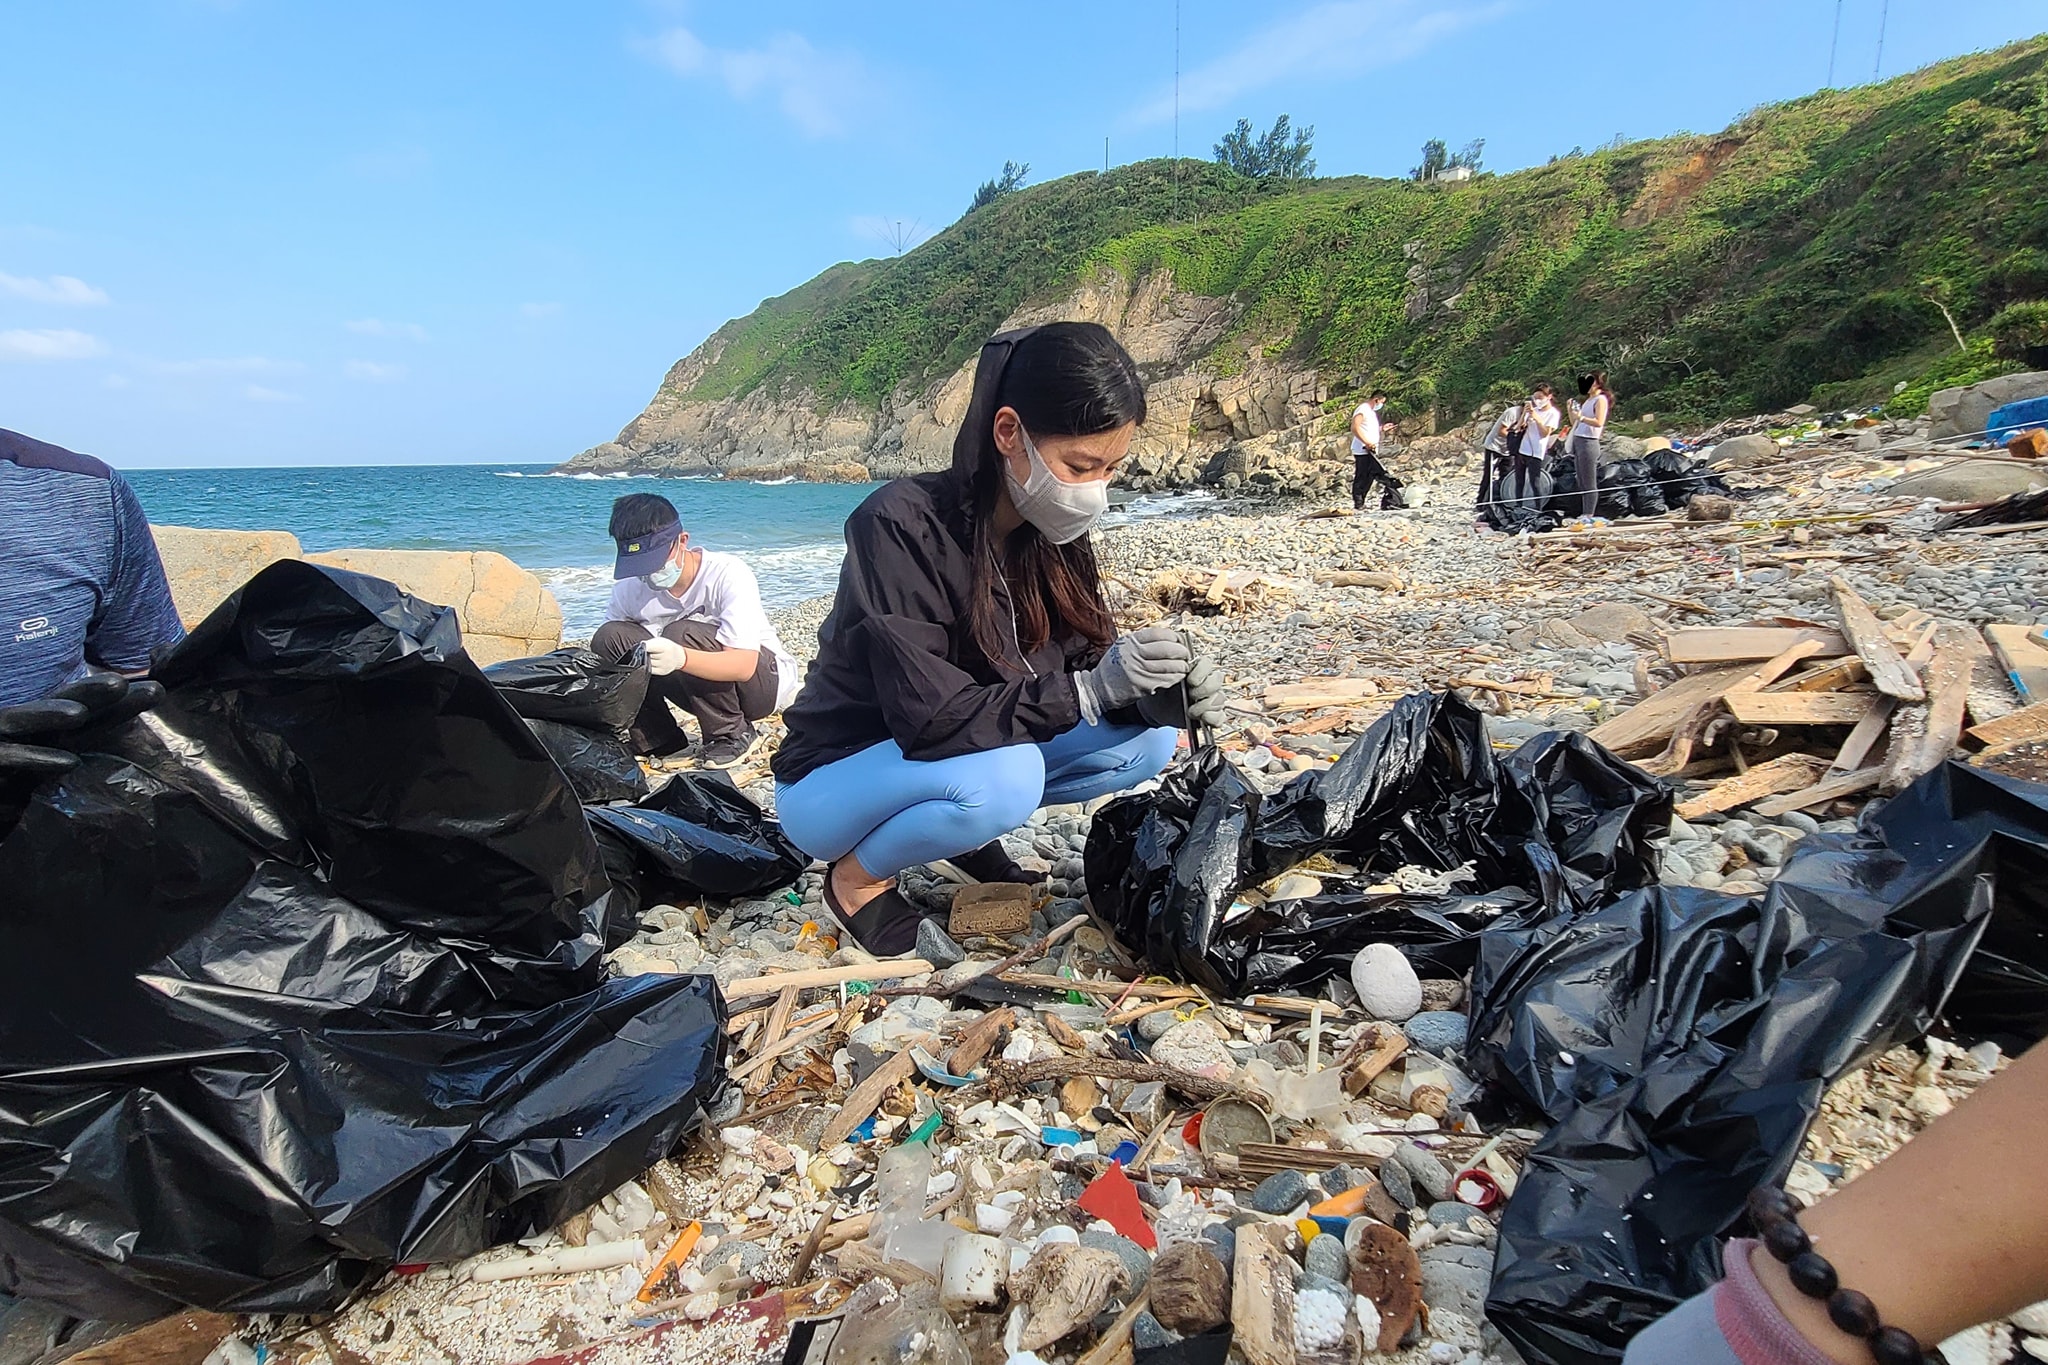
969	672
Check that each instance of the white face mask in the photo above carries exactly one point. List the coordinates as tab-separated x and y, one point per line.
667	576
1061	511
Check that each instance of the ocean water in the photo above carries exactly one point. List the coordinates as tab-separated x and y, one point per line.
790	533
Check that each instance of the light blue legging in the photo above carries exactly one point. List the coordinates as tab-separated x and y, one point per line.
892	812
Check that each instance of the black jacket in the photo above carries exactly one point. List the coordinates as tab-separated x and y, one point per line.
897	657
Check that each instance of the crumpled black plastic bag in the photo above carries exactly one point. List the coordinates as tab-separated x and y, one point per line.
1559	820
699	835
302	976
1681	479
575	687
599	765
1681	1041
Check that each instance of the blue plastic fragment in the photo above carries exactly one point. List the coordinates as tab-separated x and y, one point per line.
866	1129
1330	1224
1125	1153
1059	1137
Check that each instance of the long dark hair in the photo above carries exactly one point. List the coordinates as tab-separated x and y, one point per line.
1063	379
1596	380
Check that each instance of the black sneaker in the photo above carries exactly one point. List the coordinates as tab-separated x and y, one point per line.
729	751
993	863
886	926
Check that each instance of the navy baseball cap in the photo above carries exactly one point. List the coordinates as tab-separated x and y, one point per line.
642	555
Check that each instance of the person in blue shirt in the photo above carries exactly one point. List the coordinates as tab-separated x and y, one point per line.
83	603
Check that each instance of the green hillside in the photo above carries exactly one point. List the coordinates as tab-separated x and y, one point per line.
1792	256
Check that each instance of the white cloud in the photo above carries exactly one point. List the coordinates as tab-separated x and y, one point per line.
1333	41
62	289
243	364
257	393
372	372
377	327
49	343
822	92
539	310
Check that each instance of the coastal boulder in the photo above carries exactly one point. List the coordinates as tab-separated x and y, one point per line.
1963	411
1971	481
1743	452
204	566
504	610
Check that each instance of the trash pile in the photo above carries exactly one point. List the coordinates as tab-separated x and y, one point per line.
1661	481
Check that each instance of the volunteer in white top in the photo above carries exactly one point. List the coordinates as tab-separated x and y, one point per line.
1596	405
1515	447
1366	469
710	647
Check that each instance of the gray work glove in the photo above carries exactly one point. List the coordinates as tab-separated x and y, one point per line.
1140	663
1197	701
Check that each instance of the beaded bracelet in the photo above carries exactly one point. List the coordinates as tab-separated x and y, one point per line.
1777	1222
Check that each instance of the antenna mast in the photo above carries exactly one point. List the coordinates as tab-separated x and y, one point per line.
1882	15
1834	44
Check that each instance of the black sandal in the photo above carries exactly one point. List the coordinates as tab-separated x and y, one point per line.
993	863
886	926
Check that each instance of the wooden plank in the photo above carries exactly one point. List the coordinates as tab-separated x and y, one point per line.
1728	644
1829	789
826	976
2026	663
1799	708
2030	723
1863	738
1888	672
1652	720
1320	692
1786	774
1827	678
1262	1295
1778	666
1946	675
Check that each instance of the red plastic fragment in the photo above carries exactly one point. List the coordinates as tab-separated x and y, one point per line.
1114	1199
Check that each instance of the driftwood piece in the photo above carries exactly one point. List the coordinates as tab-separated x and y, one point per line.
1829	789
1889	673
184	1338
862	1100
2030	723
825	976
1006	1078
1314	692
1733	644
756	1063
1785	774
1946	676
1262	1296
980	1038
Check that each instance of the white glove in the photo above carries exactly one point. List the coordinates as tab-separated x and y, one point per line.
664	656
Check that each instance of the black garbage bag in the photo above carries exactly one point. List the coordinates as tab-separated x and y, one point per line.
1560	821
1680	479
303	976
599	765
1516	508
698	836
1681	1041
575	687
1645	494
1294	946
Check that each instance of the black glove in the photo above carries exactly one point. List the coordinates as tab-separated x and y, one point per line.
33	735
1198	700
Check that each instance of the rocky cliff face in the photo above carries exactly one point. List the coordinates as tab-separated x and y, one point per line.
1259	425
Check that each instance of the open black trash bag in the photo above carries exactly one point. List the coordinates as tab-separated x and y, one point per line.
697	836
1681	1041
303	976
1680	479
599	765
1560	820
575	687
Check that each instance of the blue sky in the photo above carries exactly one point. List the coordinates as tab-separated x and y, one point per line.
260	232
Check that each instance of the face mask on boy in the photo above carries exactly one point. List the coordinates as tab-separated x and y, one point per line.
667	576
1061	511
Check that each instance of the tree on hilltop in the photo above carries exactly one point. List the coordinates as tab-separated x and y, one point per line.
1272	155
1438	158
1009	182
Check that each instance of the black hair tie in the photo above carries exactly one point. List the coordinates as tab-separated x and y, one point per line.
1777	1222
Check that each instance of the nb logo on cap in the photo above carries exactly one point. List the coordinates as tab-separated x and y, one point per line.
633	548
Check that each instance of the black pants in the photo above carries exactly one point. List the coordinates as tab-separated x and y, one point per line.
1366	470
720	708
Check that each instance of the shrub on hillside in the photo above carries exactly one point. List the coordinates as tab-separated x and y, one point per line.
2021	333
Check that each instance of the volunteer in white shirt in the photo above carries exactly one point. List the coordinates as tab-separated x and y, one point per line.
1596	405
710	647
1366	469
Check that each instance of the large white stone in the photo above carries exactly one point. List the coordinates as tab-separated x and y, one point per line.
1386	983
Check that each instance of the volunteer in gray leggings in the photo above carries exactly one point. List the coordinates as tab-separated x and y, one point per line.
1596	401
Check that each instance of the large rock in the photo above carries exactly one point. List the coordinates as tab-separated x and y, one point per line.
205	566
1962	412
1741	452
1971	481
1614	446
504	610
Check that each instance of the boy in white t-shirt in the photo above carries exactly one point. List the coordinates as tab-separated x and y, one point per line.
710	647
